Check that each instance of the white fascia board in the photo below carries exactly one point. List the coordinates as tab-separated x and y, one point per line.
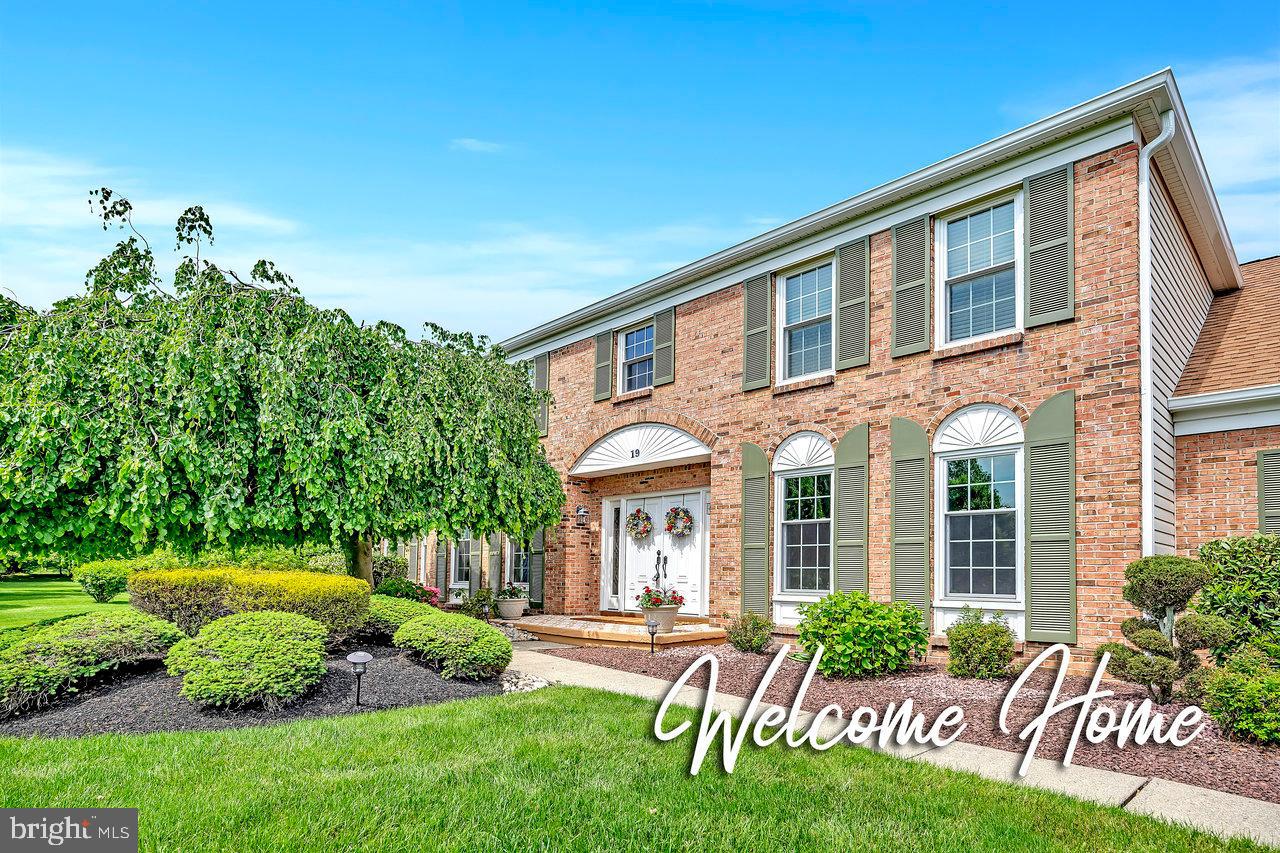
1222	411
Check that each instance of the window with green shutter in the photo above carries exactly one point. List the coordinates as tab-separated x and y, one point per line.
664	347
1269	491
1051	520
757	333
853	312
442	565
851	482
537	567
755	530
1049	291
909	514
911	311
604	366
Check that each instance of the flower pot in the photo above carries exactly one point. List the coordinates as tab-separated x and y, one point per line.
512	608
665	616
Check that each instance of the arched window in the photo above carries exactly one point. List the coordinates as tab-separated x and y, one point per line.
802	479
978	504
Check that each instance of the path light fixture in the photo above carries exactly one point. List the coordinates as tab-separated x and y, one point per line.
359	663
484	611
651	625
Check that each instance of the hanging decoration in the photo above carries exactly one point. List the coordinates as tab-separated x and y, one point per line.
639	524
679	521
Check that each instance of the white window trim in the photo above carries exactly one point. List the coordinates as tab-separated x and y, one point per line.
779	594
940	313
984	602
620	346
511	563
780	318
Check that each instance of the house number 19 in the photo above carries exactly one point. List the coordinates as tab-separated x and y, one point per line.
635	453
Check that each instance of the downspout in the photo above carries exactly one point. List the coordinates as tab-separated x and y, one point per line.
1146	399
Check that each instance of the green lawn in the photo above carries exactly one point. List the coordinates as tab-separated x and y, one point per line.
37	597
557	768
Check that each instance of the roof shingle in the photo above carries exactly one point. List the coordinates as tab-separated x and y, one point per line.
1239	346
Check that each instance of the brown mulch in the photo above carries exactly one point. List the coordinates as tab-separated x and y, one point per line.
1209	761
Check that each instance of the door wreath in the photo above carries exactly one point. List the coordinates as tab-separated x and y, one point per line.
679	521
639	524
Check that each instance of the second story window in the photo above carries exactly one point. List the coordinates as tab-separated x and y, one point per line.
636	362
806	317
981	282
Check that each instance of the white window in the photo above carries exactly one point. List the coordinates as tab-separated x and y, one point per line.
979	505
635	358
804	298
462	561
802	468
978	254
519	564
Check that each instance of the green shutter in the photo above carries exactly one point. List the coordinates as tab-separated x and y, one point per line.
664	347
911	309
541	381
495	561
853	311
604	366
851	510
1051	520
477	562
1050	293
442	566
537	566
1269	491
757	314
755	530
909	514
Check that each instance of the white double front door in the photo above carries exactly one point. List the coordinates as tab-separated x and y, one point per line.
636	561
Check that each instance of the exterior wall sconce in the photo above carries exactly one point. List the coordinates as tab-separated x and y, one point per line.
581	514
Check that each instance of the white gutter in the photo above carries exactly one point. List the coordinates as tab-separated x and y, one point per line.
1147	403
1223	411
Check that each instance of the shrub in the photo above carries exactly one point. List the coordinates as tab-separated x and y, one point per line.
387	614
337	602
1243	587
386	566
189	598
250	658
55	658
1244	696
461	647
332	562
977	648
103	580
264	558
860	636
750	632
473	604
405	588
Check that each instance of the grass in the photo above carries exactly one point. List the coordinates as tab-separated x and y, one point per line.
31	598
559	768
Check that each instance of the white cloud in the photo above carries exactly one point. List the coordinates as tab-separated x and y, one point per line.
478	146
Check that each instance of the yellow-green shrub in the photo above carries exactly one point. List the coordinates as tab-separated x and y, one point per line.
189	598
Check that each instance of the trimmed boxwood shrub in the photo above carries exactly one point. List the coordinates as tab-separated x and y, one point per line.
977	648
1244	696
750	632
265	658
862	637
459	646
103	580
1243	587
387	614
52	659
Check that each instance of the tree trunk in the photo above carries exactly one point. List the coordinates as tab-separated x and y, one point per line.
362	557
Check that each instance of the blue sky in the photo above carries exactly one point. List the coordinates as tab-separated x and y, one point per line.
489	167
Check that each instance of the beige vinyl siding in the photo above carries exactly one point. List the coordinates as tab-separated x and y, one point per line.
1180	301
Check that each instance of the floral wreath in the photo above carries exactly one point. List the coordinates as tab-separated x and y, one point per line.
639	524
679	521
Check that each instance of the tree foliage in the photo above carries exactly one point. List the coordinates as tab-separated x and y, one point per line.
221	412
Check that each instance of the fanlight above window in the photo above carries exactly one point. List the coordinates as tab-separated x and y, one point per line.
803	450
978	426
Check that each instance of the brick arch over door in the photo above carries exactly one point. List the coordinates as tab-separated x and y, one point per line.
646	416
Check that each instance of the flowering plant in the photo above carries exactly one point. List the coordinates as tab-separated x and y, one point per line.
639	524
679	521
511	591
659	598
405	588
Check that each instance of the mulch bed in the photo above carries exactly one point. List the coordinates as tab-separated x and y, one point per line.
1209	761
150	701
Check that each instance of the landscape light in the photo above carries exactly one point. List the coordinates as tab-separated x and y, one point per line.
359	663
651	625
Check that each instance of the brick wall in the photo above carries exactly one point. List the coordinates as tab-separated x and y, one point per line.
1096	354
1218	484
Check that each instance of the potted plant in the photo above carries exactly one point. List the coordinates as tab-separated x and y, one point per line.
512	600
660	605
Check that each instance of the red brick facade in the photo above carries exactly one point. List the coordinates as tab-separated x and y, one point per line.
1096	354
1218	484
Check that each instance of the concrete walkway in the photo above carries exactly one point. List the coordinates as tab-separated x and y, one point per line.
1213	811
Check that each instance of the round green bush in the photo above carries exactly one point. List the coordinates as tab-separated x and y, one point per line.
1244	696
45	661
862	637
387	614
977	648
262	658
459	646
1243	587
750	632
1154	584
103	580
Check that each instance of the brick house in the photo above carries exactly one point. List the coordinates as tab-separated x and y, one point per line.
993	382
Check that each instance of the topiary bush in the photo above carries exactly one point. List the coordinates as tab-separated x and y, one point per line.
977	648
861	637
387	614
1164	646
405	588
1243	697
337	602
264	658
1243	587
46	661
189	598
387	566
103	580
750	632
459	646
